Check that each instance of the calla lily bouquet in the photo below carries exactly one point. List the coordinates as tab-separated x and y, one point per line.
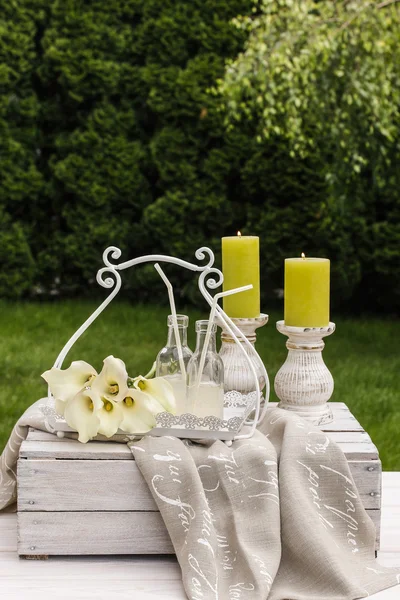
102	403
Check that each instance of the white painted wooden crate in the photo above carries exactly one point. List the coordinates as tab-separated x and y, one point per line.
91	498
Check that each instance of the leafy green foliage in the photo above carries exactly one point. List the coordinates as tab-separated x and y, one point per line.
21	181
18	269
323	80
109	135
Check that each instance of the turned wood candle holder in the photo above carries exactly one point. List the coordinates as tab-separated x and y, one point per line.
304	383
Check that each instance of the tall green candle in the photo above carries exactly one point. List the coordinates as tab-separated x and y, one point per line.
307	292
241	266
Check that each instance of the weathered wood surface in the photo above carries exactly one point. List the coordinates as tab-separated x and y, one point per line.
61	485
356	445
144	578
49	485
75	533
75	450
92	533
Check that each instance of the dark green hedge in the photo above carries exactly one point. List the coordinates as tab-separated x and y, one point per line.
109	136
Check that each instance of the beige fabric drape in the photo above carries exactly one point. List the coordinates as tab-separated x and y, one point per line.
277	516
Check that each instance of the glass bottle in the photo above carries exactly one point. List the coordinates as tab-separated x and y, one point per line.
167	361
205	375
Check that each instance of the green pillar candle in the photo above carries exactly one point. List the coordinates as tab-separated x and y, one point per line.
307	292
241	266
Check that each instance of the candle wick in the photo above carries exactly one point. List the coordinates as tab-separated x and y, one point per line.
239	234
303	256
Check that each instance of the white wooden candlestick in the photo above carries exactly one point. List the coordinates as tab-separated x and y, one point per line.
304	384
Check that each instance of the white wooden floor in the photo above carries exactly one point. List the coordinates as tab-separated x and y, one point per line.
141	578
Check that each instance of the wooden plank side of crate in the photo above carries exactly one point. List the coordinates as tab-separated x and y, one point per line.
359	451
82	485
69	533
350	437
63	485
80	533
367	477
44	436
355	445
73	449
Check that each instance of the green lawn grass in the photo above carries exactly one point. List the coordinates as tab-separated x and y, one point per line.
362	356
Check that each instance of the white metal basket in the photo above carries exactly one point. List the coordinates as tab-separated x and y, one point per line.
236	413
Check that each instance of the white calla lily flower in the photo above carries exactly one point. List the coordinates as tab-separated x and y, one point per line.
95	404
65	384
159	389
111	383
139	410
110	415
81	414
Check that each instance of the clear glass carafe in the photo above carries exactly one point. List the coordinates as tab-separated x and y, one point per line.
168	364
205	375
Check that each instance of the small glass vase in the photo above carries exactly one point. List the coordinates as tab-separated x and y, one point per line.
168	364
205	375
